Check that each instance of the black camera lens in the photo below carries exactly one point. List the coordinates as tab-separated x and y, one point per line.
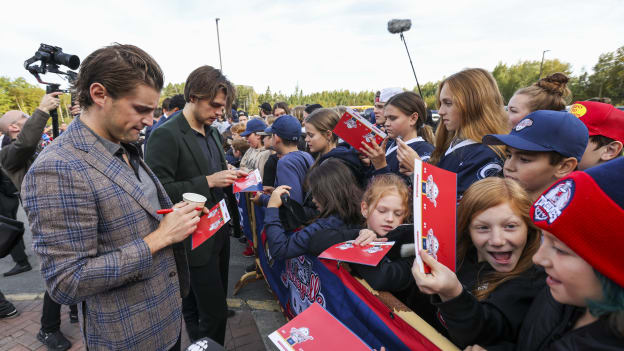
71	61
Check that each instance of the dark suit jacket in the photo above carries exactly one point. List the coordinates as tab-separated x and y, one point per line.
176	158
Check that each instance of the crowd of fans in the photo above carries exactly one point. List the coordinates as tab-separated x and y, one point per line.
540	204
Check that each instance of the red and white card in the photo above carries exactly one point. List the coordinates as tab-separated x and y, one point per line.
210	224
355	129
435	203
347	251
315	329
252	182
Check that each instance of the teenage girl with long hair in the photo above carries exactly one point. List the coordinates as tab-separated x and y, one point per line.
470	107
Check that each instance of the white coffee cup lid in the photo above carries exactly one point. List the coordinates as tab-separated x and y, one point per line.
194	197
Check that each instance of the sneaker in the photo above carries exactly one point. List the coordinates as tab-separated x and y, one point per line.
18	269
55	341
11	313
73	317
248	252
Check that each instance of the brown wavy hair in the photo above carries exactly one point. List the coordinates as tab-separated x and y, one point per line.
550	93
485	194
480	103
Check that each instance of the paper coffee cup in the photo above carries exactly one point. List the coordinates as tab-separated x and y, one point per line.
194	199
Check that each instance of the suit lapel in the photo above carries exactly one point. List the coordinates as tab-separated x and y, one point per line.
188	135
111	167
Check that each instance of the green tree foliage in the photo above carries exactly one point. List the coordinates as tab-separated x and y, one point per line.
522	74
18	94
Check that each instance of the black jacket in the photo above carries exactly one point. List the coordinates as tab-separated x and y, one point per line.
178	161
495	319
548	326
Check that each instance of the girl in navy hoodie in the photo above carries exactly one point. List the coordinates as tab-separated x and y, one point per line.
405	122
335	193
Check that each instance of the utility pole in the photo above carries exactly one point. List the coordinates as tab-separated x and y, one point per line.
542	64
219	44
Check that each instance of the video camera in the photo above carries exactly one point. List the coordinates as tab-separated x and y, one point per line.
51	57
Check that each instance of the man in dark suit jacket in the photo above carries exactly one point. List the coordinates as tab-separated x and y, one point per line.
186	154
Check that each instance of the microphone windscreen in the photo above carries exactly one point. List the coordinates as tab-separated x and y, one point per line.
399	25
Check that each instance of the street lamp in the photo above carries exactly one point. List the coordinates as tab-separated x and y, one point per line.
219	44
542	64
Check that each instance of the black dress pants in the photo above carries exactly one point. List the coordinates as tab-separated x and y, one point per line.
51	314
205	307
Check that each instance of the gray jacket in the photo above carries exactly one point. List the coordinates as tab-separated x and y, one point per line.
17	157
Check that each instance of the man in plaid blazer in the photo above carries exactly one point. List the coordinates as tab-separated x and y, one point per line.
92	202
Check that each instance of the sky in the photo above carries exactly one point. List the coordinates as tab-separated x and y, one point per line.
318	45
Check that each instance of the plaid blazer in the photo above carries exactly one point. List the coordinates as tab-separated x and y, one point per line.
88	218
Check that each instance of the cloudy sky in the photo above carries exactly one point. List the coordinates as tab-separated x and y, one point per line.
318	45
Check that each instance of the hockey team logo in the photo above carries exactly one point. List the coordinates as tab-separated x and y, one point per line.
351	123
550	205
346	246
373	249
431	244
430	188
578	110
299	335
491	169
369	137
304	284
523	124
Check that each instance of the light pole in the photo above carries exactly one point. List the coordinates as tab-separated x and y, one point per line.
542	64
219	44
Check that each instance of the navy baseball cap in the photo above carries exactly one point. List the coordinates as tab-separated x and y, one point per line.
253	126
545	131
286	127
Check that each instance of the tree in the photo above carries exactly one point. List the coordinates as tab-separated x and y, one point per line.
524	73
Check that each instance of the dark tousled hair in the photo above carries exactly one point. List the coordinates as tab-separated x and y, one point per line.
206	82
332	185
120	68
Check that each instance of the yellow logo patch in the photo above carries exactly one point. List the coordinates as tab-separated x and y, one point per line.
578	110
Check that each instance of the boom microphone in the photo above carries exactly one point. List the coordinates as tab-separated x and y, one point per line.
399	25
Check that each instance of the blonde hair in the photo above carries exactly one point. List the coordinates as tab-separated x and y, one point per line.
550	93
298	111
238	128
386	184
480	104
270	119
480	196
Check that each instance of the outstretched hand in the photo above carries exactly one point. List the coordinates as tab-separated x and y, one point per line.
441	280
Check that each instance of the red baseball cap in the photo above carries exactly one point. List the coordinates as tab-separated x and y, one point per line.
600	119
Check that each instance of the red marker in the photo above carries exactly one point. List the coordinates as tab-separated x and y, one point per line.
169	210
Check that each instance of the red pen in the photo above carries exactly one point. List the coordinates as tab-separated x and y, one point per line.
169	210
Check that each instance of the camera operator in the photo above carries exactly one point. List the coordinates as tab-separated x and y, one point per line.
16	156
